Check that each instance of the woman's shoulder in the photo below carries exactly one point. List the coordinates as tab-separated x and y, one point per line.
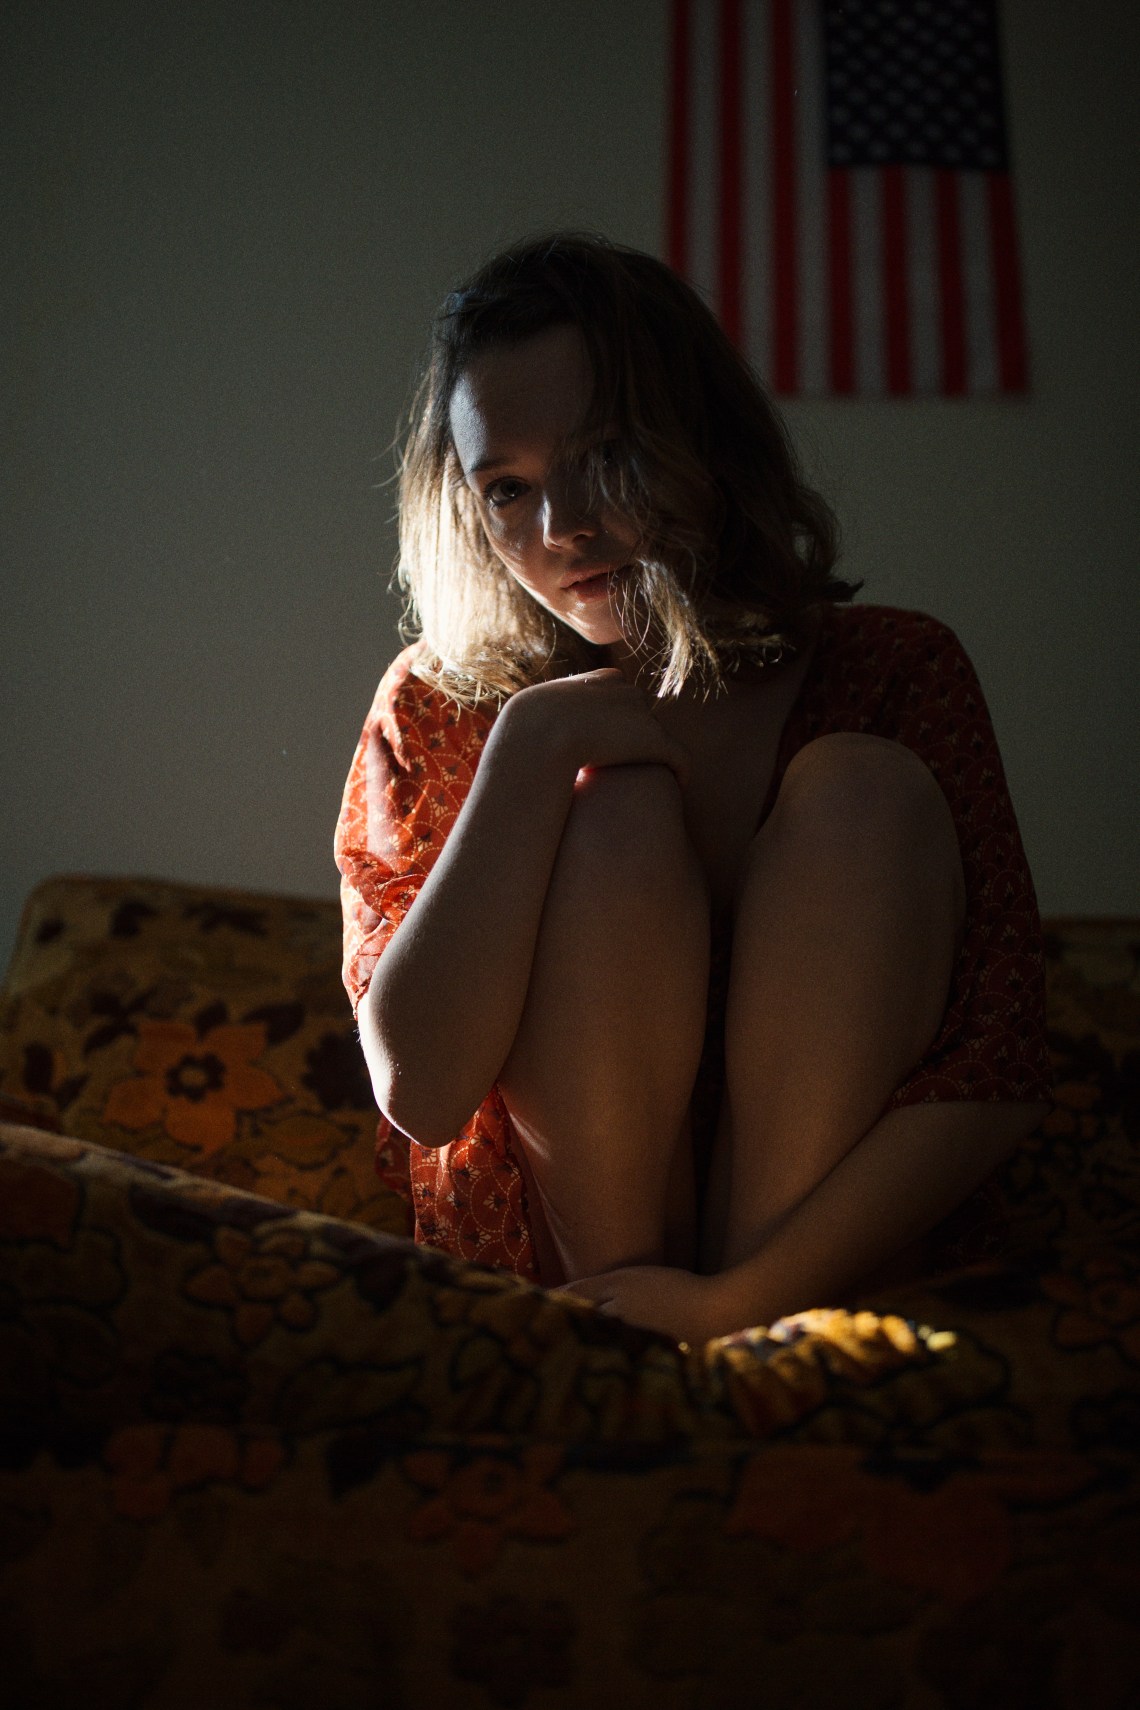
890	642
881	666
889	627
412	712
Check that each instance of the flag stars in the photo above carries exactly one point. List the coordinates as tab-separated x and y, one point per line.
946	63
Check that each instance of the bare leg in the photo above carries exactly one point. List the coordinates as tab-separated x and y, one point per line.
847	925
599	1078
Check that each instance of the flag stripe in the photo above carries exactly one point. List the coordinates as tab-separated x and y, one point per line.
981	352
839	257
1012	362
730	278
811	203
952	302
784	259
896	302
867	273
922	268
758	188
703	154
677	246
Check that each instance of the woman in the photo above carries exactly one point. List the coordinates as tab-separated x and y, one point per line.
695	954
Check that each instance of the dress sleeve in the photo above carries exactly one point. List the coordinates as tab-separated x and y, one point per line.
409	777
992	1042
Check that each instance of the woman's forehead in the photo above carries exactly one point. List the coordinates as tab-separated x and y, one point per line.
532	394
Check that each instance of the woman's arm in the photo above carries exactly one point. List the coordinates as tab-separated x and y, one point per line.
443	1008
908	1172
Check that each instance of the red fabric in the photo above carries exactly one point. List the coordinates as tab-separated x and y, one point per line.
890	673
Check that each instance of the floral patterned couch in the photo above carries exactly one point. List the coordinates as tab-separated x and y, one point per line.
258	1449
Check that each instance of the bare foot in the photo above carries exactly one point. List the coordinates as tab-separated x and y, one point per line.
655	1297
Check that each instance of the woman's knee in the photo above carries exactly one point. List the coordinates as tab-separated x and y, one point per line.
626	831
854	794
849	780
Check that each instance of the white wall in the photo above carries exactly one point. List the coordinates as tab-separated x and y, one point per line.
226	226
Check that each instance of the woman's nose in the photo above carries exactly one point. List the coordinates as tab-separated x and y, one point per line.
566	514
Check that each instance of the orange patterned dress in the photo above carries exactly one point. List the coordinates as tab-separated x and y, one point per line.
891	673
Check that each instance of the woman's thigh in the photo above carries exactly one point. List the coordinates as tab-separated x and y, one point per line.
598	1081
847	927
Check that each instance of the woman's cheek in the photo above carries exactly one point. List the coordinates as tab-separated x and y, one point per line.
495	533
510	542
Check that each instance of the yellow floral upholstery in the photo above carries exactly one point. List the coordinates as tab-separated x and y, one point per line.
201	1028
256	1448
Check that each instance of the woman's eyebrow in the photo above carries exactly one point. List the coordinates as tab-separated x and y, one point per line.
496	460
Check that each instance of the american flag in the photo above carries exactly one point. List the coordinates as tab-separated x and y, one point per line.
839	192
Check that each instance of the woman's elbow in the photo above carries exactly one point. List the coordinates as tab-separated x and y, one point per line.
397	1101
426	1126
416	1113
414	1096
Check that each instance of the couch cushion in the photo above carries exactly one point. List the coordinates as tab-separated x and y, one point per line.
195	1026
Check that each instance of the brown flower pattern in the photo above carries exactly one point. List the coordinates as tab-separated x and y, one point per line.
262	1282
482	1501
1098	1303
149	1464
933	1525
194	1086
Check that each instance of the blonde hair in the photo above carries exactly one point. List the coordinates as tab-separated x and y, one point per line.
734	547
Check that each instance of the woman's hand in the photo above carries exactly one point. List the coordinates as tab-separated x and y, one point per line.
656	1297
595	719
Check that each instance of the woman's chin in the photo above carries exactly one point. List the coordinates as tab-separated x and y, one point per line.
601	631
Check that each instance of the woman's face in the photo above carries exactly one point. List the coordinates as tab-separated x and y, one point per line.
512	411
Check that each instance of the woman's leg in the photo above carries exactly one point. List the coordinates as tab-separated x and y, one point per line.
848	921
599	1078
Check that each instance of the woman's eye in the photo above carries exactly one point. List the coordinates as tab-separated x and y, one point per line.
500	493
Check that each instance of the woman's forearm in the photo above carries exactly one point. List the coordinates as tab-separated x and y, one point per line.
444	1005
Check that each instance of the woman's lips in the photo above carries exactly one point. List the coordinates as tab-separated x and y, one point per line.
598	585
